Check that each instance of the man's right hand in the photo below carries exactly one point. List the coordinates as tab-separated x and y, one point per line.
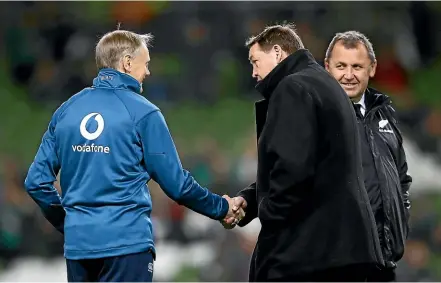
236	213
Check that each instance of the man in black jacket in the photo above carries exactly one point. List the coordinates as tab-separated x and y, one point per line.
350	58
309	196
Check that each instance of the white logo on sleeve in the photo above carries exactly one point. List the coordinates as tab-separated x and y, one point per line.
92	148
92	136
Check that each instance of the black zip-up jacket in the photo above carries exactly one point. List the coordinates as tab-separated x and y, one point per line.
309	194
385	173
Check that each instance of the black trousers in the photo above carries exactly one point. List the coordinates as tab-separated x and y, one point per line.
349	273
126	268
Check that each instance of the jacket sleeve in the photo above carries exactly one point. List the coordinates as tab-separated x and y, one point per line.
405	181
249	194
41	176
291	133
164	166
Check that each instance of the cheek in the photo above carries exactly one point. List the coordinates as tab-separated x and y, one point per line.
141	70
337	74
268	66
363	76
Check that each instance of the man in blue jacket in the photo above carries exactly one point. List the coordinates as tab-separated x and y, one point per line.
107	142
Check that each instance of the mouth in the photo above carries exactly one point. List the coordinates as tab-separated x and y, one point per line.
349	85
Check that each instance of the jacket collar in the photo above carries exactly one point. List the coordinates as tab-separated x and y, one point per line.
290	65
374	98
112	78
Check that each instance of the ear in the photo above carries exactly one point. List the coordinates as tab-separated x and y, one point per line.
127	63
327	64
373	69
278	50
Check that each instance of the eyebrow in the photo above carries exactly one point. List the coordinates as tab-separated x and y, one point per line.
343	63
250	58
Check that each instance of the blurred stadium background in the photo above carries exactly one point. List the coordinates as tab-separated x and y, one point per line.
201	78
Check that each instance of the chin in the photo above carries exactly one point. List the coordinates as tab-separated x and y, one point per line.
352	93
355	96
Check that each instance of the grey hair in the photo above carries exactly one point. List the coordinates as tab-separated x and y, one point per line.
116	44
350	39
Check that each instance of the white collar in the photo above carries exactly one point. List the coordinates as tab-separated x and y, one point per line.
362	103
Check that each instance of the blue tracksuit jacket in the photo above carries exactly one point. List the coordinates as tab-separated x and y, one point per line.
107	142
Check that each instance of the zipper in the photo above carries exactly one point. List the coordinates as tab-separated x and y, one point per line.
384	198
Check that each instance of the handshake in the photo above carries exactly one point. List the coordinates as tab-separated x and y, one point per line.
235	212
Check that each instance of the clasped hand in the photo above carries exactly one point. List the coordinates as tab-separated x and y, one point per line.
235	212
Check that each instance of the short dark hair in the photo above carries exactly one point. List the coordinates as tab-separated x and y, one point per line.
284	35
350	39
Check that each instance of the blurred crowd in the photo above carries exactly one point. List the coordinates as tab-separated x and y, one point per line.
201	78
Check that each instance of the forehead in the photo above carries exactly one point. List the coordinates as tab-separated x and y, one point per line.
357	53
255	51
144	52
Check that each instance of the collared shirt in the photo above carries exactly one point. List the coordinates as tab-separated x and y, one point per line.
362	104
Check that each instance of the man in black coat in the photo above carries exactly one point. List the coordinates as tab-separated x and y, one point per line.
350	58
309	196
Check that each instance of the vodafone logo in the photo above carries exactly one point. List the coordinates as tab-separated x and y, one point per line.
91	147
85	133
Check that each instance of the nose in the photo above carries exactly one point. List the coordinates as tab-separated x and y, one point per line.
349	74
254	75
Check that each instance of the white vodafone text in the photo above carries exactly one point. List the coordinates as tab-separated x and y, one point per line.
91	148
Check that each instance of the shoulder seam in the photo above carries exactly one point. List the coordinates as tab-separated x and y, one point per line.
125	106
148	114
292	79
63	109
155	108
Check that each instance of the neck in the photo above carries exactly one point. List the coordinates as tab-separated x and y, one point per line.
357	98
283	57
121	70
